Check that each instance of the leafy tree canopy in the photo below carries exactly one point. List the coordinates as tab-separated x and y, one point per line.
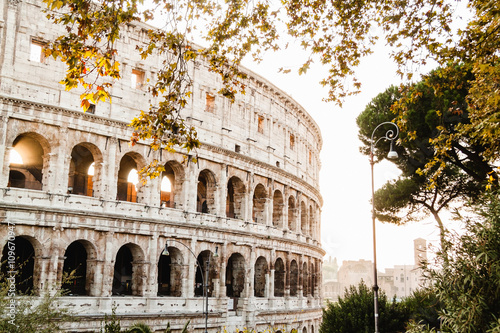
457	175
354	311
335	33
467	281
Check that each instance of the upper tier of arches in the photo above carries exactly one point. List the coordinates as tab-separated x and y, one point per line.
207	187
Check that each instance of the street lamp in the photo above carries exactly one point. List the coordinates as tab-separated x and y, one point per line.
391	135
204	278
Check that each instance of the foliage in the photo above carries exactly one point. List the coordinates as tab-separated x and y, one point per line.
139	328
335	33
32	314
461	175
111	323
27	312
354	313
467	282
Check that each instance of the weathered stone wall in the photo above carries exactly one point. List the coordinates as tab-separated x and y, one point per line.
251	198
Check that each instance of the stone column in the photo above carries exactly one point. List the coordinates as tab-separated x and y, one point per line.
110	170
222	193
4	153
108	269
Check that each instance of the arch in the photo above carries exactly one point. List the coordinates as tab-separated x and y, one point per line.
235	275
203	259
279	278
304	330
206	192
235	200
303	218
170	273
278	209
76	266
126	190
175	174
259	204
292	216
20	252
305	278
30	147
128	271
260	272
80	181
294	278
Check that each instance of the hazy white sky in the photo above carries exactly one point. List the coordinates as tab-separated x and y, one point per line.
345	174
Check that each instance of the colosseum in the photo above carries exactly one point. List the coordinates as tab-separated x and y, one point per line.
241	225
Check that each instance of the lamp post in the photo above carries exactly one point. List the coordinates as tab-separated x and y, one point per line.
391	135
203	277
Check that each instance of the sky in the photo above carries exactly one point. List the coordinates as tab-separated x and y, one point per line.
345	181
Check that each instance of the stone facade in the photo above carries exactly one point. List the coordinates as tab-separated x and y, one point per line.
252	197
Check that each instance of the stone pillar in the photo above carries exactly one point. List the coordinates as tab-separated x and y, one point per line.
4	174
300	289
155	249
285	208
192	268
108	270
95	280
110	171
287	275
268	211
222	193
4	153
191	188
223	262
59	165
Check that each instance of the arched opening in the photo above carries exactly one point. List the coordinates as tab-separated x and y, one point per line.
260	272
75	269
305	278
294	278
80	180
304	330
172	180
170	273
203	259
291	214
206	192
235	275
127	180
235	198
259	204
166	192
26	163
127	277
303	218
279	278
278	209
20	253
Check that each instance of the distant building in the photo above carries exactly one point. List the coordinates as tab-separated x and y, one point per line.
399	281
331	288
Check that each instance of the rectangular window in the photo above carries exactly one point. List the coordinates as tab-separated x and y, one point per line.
36	51
237	148
210	103
260	125
137	79
292	141
91	109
